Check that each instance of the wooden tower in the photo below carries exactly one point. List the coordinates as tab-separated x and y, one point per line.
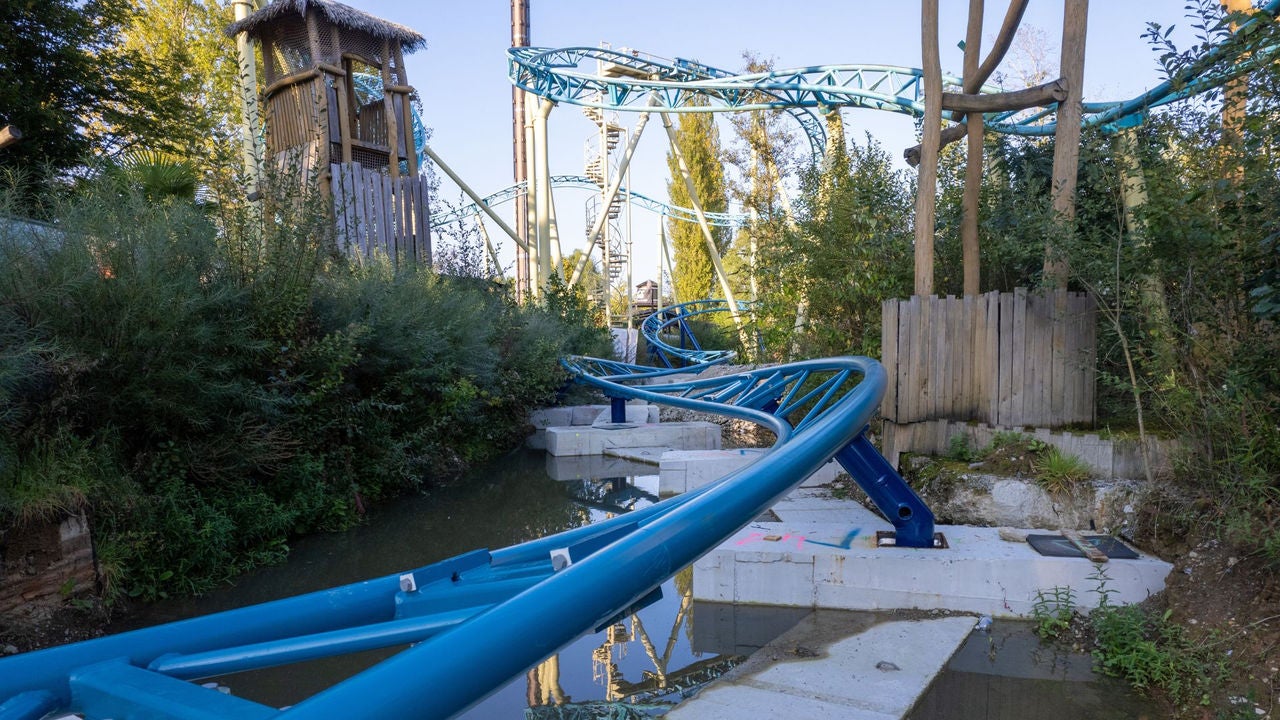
336	103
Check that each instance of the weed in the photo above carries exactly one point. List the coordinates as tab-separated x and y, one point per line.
958	449
1058	472
1052	611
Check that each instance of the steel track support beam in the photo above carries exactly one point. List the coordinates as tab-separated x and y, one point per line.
911	518
706	229
488	245
548	256
480	203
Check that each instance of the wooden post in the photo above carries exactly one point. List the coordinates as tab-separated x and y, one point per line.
1008	28
9	135
1066	147
973	160
406	115
926	198
389	106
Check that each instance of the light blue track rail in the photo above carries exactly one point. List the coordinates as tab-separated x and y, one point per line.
636	82
461	615
581	181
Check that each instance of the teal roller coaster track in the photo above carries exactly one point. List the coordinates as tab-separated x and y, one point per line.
458	617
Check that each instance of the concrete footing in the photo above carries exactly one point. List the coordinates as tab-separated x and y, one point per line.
683	470
834	666
811	559
595	467
580	415
597	439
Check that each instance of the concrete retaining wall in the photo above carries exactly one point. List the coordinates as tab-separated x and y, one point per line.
45	563
1108	457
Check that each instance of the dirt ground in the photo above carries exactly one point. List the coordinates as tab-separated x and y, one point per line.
1232	602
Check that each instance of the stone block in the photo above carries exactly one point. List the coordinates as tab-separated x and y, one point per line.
595	440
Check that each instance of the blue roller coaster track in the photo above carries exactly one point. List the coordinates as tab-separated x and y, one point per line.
508	194
459	616
624	81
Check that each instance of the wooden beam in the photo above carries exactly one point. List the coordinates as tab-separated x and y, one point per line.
973	159
926	193
9	135
1009	28
1051	92
1066	139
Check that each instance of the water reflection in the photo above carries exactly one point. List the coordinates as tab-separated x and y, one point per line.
1008	674
638	666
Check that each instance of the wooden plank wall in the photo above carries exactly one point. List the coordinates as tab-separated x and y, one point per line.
375	214
1008	359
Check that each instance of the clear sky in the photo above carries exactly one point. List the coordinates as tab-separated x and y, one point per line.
462	74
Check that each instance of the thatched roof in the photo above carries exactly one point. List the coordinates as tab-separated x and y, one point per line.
335	12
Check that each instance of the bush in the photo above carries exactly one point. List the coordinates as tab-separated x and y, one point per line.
208	385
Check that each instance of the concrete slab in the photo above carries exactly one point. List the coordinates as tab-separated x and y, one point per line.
571	415
595	467
596	439
650	456
836	666
683	470
812	562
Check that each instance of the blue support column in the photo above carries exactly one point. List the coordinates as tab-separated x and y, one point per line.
911	518
617	409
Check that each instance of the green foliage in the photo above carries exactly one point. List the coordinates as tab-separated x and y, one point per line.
206	387
958	449
1052	611
699	142
850	252
1059	472
1149	651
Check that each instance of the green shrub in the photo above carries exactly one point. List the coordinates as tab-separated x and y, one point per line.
207	386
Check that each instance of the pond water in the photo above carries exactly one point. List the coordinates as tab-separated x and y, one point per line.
1006	674
637	667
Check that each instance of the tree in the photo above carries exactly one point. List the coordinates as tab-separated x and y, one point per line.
765	146
106	78
56	66
189	98
699	141
850	251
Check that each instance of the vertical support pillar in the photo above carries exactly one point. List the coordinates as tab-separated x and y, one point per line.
532	190
617	409
250	121
519	166
542	200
